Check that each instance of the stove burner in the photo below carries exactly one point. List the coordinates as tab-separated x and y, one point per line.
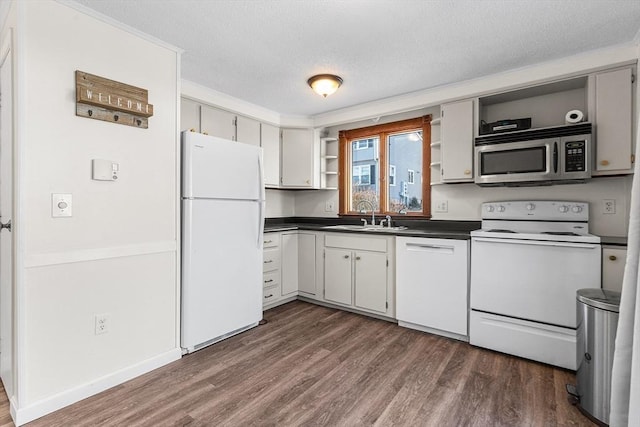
560	233
499	230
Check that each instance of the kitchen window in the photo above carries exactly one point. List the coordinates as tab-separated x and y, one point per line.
378	162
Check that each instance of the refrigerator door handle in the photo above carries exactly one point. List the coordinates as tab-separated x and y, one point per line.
260	204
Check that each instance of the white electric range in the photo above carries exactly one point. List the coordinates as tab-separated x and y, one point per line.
527	262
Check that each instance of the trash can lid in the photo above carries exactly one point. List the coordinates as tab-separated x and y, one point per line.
600	298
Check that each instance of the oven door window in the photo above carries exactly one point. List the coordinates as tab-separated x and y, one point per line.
521	160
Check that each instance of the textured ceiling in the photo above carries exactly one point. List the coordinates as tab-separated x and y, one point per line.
263	51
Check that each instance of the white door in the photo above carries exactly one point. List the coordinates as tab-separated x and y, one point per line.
217	122
532	280
371	281
270	140
297	158
432	283
219	168
6	214
307	263
221	269
289	263
337	275
456	141
248	131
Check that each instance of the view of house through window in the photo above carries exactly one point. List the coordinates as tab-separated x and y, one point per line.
383	169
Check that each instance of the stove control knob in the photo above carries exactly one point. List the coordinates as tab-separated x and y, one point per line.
530	206
501	208
490	208
576	209
563	209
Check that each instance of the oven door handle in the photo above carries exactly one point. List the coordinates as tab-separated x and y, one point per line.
537	243
555	157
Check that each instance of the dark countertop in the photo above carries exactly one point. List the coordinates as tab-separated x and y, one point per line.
415	228
613	241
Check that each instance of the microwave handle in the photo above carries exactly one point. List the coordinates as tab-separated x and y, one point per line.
555	157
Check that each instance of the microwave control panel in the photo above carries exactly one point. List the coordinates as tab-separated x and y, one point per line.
575	156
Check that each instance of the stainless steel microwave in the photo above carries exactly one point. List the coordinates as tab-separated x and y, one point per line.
560	159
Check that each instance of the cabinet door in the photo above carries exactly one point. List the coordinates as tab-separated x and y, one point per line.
613	122
371	281
307	263
248	131
297	158
216	122
270	139
289	264
613	262
189	115
456	141
337	275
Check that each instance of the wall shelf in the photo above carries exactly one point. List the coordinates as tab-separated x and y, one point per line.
329	163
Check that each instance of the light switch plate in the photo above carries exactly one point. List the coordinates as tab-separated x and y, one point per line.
61	205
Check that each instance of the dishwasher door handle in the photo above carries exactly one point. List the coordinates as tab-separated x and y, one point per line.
429	248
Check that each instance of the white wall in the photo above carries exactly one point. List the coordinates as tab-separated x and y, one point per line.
279	203
464	200
117	255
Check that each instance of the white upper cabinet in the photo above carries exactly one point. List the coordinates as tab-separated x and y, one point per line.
270	137
456	142
299	158
248	131
613	120
189	115
216	122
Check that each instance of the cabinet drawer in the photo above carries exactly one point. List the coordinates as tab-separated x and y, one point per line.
271	240
270	294
271	260
376	244
270	279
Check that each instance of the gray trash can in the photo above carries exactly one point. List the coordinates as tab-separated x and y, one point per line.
597	316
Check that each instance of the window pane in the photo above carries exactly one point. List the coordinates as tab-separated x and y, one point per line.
365	190
405	187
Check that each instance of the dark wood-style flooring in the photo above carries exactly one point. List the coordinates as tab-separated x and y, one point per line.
315	366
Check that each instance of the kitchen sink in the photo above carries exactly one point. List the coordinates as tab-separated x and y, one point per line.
353	227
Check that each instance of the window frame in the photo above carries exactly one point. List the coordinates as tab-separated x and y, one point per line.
345	178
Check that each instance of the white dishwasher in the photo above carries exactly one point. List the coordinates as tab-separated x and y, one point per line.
432	285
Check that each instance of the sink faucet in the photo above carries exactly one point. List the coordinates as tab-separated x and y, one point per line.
373	211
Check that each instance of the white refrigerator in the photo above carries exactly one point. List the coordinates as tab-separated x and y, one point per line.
222	227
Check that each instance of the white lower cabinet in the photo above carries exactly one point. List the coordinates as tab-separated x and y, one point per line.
613	262
432	285
307	264
357	272
289	264
289	267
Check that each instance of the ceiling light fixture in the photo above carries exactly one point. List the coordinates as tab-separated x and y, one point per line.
325	84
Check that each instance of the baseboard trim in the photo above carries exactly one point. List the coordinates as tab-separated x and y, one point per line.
433	331
46	406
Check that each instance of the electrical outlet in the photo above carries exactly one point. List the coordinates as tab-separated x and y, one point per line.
101	324
442	206
608	206
329	206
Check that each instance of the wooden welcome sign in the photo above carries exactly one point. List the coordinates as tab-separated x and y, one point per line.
103	99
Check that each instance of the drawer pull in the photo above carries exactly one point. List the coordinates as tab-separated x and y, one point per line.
268	261
346	257
268	296
605	163
268	281
357	258
467	172
613	257
267	241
